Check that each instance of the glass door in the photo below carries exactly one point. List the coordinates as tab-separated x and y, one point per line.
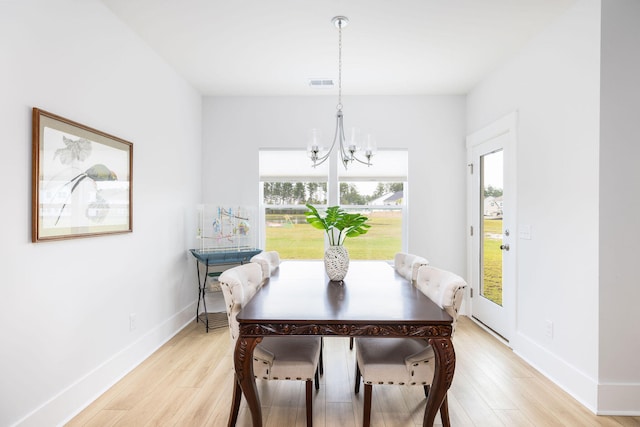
492	212
491	230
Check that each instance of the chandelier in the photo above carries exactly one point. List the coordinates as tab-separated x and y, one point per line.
348	148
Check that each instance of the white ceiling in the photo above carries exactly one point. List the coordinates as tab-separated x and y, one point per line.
272	47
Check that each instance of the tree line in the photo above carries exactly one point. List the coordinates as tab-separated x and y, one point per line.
299	193
491	191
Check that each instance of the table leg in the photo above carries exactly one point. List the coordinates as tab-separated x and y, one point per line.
235	403
442	377
243	363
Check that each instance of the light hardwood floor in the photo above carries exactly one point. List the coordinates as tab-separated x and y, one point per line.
188	382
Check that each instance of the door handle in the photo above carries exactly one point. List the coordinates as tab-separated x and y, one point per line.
504	247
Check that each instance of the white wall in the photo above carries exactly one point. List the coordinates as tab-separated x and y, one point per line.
619	207
64	306
431	127
553	83
576	188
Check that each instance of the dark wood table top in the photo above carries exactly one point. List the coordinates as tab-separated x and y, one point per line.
300	293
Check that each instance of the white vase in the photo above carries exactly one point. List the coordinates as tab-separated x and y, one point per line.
336	262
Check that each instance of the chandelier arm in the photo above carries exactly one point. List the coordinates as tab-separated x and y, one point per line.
320	160
345	154
368	162
339	135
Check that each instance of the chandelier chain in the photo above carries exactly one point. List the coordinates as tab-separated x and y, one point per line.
339	106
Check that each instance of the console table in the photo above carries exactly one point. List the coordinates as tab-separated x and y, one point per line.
210	258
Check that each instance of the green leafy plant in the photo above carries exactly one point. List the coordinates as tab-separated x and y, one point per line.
337	223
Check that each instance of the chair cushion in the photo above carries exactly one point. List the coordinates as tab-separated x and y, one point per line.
402	361
293	358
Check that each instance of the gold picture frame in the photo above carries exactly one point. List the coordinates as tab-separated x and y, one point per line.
81	181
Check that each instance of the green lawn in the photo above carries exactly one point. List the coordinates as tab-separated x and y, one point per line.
492	283
293	238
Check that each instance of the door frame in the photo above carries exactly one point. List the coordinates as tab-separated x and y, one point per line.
507	126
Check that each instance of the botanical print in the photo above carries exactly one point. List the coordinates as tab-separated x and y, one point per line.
83	181
78	149
98	209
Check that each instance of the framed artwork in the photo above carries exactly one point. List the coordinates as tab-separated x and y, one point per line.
82	180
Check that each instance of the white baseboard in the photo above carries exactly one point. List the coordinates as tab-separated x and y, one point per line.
73	399
566	376
621	399
614	399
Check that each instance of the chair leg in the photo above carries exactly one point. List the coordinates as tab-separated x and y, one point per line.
309	387
317	380
320	362
444	412
366	417
235	403
356	390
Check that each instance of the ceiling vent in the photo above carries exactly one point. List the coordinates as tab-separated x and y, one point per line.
321	83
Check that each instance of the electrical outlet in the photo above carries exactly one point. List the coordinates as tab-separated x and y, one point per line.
132	322
548	331
524	232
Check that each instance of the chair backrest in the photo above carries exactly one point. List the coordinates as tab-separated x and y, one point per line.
269	261
443	287
239	284
407	265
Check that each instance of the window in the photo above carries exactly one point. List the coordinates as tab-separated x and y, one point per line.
288	182
379	192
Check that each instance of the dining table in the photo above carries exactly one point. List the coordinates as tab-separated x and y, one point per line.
373	300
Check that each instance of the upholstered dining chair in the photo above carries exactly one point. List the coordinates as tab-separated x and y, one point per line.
269	261
407	265
274	358
407	361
